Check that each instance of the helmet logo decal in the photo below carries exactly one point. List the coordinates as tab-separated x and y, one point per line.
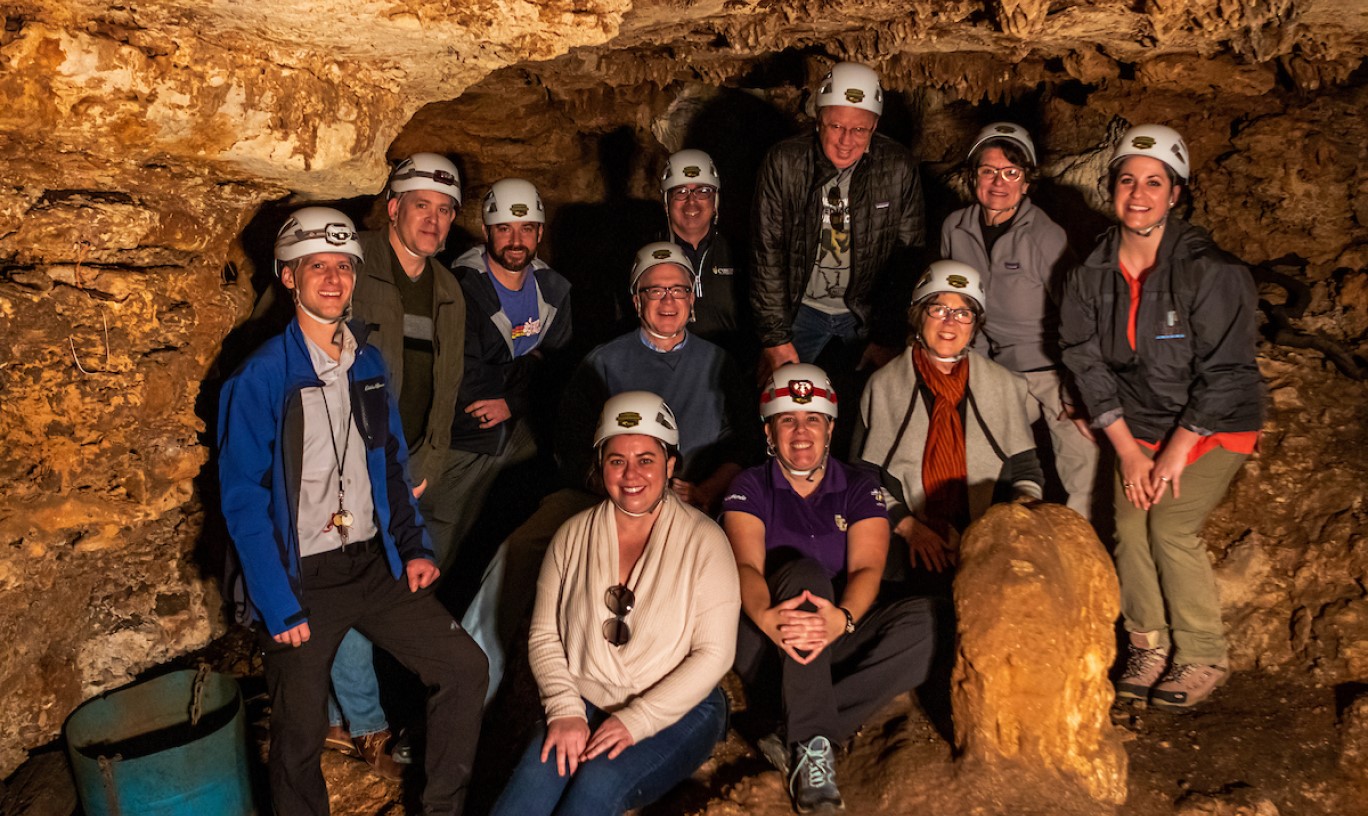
628	419
518	209
1142	142
957	281
692	171
1005	129
801	391
661	254
854	95
665	421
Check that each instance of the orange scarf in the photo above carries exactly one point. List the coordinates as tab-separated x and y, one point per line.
945	473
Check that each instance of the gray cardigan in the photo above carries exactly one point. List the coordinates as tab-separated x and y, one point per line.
1022	282
999	448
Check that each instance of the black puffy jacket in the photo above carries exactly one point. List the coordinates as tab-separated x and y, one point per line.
886	215
1193	363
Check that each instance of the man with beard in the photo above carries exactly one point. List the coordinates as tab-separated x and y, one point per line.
518	313
416	315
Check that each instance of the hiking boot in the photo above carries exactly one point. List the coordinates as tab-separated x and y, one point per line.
813	783
1144	666
1187	684
773	748
339	740
374	749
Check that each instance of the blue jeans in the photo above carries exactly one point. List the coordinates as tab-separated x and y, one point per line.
813	329
641	774
355	689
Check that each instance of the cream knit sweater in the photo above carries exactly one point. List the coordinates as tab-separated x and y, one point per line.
688	604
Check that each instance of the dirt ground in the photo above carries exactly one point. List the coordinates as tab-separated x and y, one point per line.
1266	745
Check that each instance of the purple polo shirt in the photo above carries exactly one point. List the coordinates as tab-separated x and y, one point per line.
815	526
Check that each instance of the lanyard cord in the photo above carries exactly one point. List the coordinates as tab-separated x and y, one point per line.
339	460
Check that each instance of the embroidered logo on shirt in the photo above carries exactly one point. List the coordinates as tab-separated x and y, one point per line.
531	328
735	497
879	496
374	386
724	271
841	522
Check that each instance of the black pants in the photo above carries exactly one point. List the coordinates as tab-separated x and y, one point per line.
350	589
888	653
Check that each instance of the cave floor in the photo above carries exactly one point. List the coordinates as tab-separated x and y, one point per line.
1265	745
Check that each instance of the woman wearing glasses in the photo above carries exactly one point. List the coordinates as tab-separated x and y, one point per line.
1022	255
810	535
1159	330
634	625
947	429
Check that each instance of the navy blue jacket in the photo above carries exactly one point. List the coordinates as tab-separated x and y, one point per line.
261	448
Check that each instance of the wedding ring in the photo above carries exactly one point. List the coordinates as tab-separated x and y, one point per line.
1165	479
1128	484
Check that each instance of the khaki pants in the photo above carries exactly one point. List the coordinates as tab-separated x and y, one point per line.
1166	581
1075	455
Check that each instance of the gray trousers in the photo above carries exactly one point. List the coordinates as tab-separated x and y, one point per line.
460	492
1075	455
509	584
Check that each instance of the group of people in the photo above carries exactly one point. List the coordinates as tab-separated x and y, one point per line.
357	448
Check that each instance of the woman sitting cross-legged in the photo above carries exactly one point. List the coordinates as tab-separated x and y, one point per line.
810	535
634	625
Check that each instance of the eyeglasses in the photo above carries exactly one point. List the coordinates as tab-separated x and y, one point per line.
836	209
855	132
659	292
940	312
683	193
620	600
1008	174
439	176
335	234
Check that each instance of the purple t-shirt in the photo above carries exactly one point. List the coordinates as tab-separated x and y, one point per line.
815	526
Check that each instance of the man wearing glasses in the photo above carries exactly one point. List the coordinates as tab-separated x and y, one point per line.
831	211
691	188
518	314
694	377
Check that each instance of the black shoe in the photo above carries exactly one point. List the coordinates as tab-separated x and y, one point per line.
813	783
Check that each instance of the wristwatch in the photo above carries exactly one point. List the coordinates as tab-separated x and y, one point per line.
850	620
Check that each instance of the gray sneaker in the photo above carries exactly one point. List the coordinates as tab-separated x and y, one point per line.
773	748
1186	685
813	783
1144	666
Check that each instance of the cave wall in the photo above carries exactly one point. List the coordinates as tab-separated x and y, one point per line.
142	146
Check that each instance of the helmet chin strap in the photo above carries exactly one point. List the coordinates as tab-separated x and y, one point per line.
1145	232
326	321
811	473
648	511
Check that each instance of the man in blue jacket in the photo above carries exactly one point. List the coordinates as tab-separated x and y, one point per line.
312	466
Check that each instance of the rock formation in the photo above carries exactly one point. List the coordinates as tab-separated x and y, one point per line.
148	150
1036	600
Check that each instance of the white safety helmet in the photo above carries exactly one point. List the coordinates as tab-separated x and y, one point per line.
512	200
655	254
426	171
852	85
950	276
798	387
313	230
637	412
1157	142
1009	131
689	167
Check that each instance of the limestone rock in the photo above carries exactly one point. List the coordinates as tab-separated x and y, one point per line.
1036	598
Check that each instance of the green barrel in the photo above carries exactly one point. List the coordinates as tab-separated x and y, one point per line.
174	745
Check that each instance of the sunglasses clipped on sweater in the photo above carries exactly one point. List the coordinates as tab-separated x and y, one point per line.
620	600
